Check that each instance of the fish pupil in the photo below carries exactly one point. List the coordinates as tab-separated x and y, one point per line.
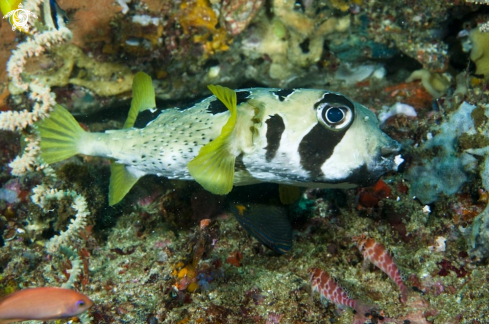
80	303
334	115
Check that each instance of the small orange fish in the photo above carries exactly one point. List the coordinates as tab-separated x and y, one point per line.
43	304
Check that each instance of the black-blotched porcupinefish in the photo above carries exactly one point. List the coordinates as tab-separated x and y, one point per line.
299	137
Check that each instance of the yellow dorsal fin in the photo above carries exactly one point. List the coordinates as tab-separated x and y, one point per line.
213	167
143	97
289	194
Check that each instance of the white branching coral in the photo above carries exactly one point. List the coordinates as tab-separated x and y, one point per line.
44	99
42	195
27	162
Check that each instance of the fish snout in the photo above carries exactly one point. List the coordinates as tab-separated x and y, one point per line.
390	158
391	149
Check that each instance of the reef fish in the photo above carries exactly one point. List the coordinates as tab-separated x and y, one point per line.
300	137
329	289
380	257
42	304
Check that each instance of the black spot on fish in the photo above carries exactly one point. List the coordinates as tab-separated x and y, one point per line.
242	96
146	116
282	94
275	129
333	98
318	146
217	107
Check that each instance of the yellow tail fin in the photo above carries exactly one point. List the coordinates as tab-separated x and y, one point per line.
60	135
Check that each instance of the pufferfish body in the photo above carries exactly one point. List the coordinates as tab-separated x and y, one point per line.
300	137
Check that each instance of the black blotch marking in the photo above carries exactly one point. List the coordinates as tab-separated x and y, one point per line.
282	94
146	116
318	146
333	98
275	129
217	107
242	96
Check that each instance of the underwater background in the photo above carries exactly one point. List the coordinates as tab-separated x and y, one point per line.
171	252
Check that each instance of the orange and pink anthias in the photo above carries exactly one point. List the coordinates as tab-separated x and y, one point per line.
328	288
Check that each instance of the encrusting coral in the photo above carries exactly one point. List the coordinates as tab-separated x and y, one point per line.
102	78
435	83
480	52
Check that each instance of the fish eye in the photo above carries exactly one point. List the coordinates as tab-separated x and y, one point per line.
80	303
334	116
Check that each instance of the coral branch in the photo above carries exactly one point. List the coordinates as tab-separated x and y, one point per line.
42	195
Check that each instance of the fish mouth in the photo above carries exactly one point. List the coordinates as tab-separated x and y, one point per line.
390	150
369	173
389	157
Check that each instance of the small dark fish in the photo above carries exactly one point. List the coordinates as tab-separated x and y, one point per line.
54	16
269	224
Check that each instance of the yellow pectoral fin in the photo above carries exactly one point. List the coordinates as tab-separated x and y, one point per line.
289	194
121	181
213	167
